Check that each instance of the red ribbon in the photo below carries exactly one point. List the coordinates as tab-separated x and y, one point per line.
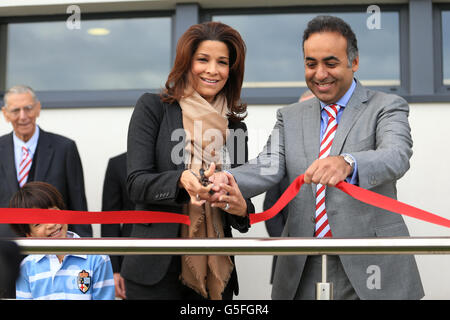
285	198
358	193
383	202
25	216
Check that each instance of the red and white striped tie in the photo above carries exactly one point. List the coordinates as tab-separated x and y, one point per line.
322	227
24	167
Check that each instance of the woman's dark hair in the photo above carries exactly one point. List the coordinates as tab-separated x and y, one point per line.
188	43
35	194
334	24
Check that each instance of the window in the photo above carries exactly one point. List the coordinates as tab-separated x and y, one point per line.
446	46
112	54
274	47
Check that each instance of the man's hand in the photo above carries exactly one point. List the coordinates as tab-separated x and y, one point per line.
119	284
217	179
328	172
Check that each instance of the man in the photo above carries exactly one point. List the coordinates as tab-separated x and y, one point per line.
347	132
115	198
32	154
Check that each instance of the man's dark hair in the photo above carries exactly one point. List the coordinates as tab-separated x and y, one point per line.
333	24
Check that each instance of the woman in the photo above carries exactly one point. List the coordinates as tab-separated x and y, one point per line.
193	125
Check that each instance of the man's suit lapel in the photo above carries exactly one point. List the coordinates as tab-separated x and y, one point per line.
351	113
311	131
7	163
44	156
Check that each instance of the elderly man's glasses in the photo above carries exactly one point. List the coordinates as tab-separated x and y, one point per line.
15	112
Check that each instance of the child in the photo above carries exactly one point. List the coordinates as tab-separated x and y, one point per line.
57	277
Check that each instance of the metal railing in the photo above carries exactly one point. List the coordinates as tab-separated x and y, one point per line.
237	246
242	246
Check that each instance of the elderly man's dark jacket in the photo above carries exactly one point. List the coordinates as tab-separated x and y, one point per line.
57	162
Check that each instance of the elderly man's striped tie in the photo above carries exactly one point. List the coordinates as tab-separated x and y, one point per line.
322	227
24	167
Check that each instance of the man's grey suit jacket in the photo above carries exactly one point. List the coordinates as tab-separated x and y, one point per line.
374	129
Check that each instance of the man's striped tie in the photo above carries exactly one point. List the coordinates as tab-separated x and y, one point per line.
24	167
322	227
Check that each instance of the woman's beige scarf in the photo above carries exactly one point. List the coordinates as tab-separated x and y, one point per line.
206	127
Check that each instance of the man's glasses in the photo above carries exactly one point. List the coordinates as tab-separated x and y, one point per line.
15	112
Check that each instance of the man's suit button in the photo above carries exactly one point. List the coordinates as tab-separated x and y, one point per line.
372	180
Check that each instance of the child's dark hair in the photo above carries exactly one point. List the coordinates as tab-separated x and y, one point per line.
35	194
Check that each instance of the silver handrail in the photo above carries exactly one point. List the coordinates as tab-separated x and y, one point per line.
237	246
242	246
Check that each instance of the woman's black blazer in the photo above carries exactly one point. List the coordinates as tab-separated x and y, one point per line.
154	138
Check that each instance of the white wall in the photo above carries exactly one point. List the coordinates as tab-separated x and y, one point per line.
101	133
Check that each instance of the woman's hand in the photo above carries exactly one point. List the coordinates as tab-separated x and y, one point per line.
190	182
232	202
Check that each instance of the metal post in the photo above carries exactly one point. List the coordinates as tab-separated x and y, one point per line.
324	289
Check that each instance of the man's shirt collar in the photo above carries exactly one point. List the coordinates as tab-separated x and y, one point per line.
30	144
343	101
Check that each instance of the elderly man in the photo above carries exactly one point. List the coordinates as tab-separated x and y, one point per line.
345	133
32	154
